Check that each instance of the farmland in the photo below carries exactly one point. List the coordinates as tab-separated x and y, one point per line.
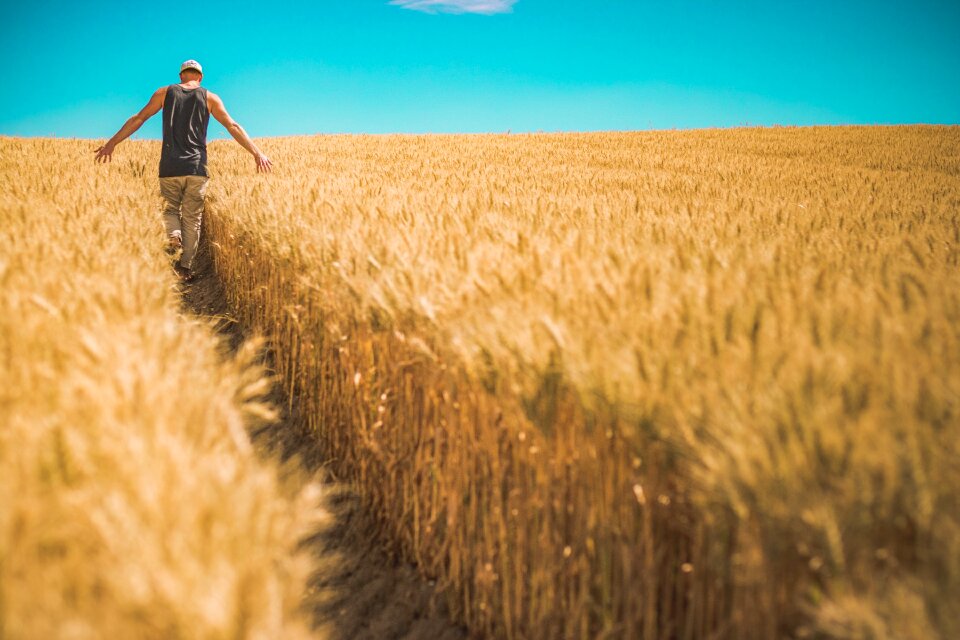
630	385
132	504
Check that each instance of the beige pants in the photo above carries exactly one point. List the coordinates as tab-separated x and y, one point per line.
183	211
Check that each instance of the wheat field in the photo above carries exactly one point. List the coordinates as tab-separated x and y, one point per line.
132	504
622	385
661	384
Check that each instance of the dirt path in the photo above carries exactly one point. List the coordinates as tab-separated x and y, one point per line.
357	592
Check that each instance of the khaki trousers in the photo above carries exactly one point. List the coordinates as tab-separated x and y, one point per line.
183	212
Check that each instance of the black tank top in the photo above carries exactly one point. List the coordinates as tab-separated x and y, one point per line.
185	118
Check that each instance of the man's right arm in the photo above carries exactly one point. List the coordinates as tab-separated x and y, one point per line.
104	153
215	104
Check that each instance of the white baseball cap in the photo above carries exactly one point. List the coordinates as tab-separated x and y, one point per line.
191	64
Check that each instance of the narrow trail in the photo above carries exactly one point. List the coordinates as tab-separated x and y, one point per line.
356	592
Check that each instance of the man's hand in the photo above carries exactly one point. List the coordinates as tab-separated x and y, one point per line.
104	153
263	163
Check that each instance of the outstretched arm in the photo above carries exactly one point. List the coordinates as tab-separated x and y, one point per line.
220	113
131	125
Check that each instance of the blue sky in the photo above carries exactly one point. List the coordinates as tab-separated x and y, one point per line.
80	69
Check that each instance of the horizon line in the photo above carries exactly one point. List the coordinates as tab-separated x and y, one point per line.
54	136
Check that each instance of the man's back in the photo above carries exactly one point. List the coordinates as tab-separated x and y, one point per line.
185	118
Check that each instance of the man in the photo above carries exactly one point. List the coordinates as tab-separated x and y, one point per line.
183	161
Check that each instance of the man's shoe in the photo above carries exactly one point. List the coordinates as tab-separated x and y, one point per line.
186	275
173	245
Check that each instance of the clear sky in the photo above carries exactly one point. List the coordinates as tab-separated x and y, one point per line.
79	69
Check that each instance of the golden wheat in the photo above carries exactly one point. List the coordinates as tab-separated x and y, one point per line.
659	385
665	384
131	503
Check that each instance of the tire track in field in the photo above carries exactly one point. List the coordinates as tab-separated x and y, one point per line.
357	592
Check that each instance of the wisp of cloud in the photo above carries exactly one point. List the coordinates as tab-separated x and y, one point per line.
486	7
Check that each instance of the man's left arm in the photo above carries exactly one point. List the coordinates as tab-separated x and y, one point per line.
131	125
